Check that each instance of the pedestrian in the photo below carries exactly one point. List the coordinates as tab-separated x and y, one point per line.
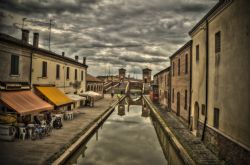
112	93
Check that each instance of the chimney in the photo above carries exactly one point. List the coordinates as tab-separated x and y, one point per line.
76	58
84	60
63	54
25	35
35	39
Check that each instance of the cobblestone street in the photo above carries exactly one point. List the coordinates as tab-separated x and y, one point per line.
196	149
39	151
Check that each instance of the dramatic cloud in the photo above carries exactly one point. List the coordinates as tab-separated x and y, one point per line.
110	33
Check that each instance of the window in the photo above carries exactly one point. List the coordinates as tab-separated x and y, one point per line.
186	63
173	96
179	67
67	73
197	52
14	65
81	75
57	71
185	106
217	42
75	74
173	69
216	117
44	69
203	109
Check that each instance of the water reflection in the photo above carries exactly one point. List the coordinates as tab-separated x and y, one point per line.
121	109
126	138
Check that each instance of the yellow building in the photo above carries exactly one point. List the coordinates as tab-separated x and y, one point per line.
50	69
220	80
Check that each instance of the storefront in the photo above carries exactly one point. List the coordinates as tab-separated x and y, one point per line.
18	110
79	101
54	96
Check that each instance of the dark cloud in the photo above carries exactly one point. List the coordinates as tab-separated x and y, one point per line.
119	33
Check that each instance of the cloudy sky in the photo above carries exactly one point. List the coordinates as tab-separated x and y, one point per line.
132	34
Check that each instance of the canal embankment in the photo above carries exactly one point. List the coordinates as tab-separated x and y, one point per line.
86	134
49	149
175	137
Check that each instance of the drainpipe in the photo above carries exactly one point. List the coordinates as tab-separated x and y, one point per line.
31	63
170	84
207	67
190	84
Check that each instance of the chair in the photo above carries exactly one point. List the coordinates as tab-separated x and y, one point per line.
71	115
22	132
30	129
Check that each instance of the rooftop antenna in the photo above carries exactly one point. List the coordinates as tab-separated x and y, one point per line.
50	22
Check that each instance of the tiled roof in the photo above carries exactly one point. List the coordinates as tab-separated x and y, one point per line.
147	69
188	44
91	78
10	39
214	10
164	70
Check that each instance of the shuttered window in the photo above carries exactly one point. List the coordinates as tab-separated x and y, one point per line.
203	109
14	65
185	106
217	42
57	71
179	67
75	74
173	69
173	96
216	117
44	69
67	74
186	63
197	52
81	75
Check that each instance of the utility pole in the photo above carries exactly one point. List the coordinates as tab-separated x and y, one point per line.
50	21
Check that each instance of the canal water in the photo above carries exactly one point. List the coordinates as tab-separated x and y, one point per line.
127	137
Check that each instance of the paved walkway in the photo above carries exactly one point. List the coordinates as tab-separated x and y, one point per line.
40	151
196	149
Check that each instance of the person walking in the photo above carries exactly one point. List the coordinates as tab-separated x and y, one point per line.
112	93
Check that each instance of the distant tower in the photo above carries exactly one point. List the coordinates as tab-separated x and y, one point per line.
146	75
122	74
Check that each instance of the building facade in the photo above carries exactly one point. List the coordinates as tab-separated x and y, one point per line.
48	68
180	81
15	63
146	75
95	84
220	80
162	79
122	74
16	98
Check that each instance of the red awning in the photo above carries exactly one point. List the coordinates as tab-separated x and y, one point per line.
24	102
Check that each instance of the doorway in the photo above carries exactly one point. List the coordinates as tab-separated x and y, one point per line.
196	115
178	104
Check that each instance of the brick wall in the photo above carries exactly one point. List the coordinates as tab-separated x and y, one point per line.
180	82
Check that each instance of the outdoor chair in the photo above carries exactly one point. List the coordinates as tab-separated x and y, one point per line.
22	133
